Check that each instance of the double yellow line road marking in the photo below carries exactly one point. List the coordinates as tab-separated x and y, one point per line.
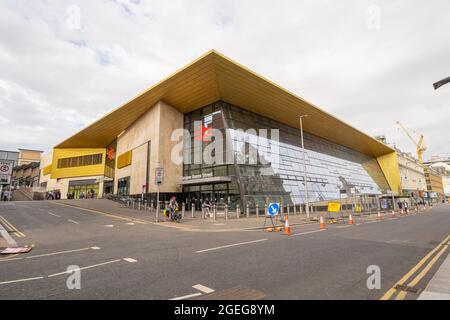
12	228
440	249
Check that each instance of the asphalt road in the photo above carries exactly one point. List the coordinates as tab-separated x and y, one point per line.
125	260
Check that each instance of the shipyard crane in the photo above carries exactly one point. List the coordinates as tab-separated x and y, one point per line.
420	146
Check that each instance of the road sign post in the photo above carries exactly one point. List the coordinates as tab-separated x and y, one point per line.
6	169
273	210
159	180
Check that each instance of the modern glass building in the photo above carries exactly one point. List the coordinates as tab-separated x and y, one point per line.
253	126
333	171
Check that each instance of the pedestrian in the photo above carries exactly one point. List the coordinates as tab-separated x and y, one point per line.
405	205
207	207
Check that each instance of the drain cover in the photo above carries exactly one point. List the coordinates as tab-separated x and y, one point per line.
403	287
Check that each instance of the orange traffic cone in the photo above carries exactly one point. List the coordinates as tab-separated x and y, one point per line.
287	228
322	223
379	216
350	219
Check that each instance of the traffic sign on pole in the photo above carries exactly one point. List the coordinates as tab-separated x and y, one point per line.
273	209
6	168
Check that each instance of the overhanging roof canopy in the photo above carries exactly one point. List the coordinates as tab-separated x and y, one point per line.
214	77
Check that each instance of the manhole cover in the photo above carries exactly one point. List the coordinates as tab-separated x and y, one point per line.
406	288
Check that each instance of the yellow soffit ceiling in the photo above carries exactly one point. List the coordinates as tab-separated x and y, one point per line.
214	77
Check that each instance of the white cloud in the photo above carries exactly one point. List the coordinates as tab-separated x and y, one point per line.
55	79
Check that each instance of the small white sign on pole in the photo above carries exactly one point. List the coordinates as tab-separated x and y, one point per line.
159	175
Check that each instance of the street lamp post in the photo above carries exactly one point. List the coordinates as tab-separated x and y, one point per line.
305	178
441	83
159	177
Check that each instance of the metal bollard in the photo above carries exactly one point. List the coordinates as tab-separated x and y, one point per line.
247	211
226	212
295	209
257	210
238	211
183	210
265	209
151	206
214	212
145	205
288	210
139	206
203	211
193	209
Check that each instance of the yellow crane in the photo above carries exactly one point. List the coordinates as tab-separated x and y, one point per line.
420	146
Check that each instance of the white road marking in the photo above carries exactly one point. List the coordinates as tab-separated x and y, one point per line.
373	221
95	248
131	260
53	214
5	234
341	227
231	245
84	268
56	253
109	226
130	223
203	289
73	221
308	232
187	296
21	280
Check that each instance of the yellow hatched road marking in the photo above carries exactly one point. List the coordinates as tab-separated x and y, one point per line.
425	270
392	290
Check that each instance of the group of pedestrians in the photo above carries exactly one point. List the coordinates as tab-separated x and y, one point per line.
4	196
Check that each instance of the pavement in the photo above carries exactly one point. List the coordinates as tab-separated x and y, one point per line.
439	286
198	224
124	255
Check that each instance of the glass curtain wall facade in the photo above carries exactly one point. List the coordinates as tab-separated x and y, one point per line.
269	167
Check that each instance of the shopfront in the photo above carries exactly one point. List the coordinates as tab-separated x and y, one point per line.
79	189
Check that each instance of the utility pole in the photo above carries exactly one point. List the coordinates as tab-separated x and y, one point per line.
159	178
305	177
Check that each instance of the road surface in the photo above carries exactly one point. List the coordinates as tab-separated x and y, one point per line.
123	258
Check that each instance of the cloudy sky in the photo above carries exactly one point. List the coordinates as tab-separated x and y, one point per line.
64	64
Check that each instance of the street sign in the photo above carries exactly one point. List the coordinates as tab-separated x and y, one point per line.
6	167
334	206
273	209
159	175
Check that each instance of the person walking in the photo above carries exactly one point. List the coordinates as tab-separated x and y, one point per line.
207	206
